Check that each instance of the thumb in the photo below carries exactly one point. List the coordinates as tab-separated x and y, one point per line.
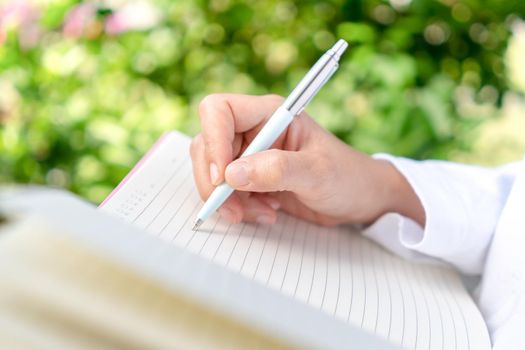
272	170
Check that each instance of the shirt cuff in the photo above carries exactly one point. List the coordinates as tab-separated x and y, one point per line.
445	201
436	205
398	234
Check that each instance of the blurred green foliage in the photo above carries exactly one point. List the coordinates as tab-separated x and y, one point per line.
78	112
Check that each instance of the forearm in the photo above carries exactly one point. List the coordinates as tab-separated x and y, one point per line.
399	196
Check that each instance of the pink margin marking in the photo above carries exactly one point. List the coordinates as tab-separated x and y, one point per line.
137	166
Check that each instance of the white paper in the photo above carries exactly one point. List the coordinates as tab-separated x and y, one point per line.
332	269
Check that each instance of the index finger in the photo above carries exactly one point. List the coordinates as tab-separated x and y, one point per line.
224	115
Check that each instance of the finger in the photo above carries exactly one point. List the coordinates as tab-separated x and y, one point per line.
274	170
257	210
232	209
248	207
289	203
200	169
237	146
270	199
223	115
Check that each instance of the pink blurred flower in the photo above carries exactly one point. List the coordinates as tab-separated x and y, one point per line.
23	16
133	15
79	19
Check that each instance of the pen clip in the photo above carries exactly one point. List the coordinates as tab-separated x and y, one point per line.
314	89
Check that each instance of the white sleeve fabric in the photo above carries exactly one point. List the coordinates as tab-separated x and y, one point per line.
462	205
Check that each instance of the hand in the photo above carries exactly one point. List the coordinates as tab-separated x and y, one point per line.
308	172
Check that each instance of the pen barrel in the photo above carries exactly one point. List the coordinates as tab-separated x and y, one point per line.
217	197
270	132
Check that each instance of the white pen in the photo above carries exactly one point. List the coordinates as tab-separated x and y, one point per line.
307	88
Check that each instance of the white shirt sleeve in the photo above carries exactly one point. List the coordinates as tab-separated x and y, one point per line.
462	205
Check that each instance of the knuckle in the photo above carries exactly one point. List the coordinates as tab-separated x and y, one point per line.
209	101
277	167
275	99
210	146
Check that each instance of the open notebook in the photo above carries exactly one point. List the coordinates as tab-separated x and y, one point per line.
334	270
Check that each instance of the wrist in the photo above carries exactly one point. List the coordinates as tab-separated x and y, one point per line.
397	194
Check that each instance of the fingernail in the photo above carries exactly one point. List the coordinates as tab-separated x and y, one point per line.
265	219
273	203
214	174
237	174
227	213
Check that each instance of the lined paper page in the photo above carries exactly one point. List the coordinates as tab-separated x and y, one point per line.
332	269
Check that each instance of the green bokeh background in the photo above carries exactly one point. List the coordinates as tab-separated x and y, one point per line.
423	79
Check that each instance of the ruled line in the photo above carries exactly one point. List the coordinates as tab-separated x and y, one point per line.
289	255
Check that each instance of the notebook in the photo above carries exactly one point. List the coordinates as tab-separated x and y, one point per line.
333	270
72	277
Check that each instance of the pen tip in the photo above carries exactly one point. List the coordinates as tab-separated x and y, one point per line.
198	223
